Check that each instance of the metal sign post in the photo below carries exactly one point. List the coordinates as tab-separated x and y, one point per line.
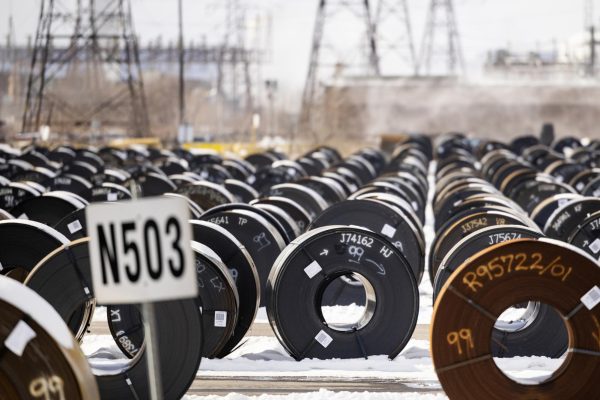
149	318
140	253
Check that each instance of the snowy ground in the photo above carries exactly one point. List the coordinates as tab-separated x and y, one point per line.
264	356
326	395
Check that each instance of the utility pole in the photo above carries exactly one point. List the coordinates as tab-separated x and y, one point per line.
180	45
7	66
593	44
434	48
328	62
271	86
9	59
588	14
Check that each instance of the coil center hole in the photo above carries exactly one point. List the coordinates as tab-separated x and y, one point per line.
348	302
522	325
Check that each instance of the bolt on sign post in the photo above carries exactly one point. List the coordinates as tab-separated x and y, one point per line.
140	253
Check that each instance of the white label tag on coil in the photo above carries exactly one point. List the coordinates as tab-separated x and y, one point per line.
562	202
110	196
591	298
220	319
595	246
323	338
388	231
74	226
313	269
23	216
19	337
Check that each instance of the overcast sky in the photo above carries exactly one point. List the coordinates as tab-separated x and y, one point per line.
483	25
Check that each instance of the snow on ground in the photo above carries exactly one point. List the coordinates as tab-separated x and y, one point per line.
529	370
326	395
513	314
425	301
93	343
99	314
261	316
264	356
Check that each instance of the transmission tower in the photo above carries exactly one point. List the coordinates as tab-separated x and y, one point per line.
441	42
85	69
8	60
393	33
7	65
234	75
588	21
341	47
588	14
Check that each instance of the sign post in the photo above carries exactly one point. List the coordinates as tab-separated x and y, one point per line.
140	253
149	318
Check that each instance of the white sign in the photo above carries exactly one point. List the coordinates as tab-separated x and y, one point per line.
140	251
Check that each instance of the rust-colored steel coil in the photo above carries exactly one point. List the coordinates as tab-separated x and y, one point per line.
39	358
510	273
